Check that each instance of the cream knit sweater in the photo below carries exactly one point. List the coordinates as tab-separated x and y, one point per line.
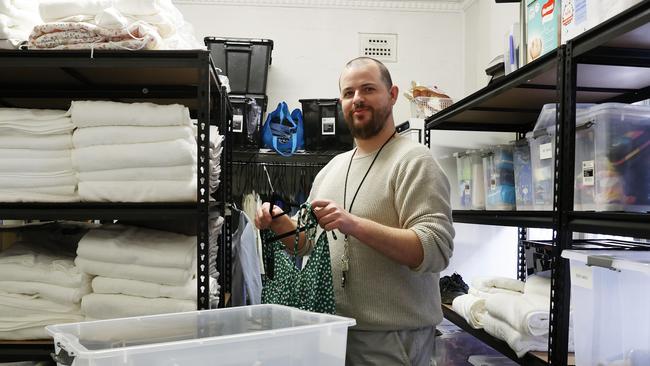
406	188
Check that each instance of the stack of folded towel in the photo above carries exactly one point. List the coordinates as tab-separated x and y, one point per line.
35	156
139	272
140	152
38	288
511	310
111	24
215	158
17	18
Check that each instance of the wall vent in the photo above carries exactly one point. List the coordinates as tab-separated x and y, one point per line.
381	46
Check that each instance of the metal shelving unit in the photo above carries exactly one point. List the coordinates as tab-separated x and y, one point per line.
51	79
609	63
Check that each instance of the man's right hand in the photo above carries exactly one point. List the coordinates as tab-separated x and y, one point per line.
263	216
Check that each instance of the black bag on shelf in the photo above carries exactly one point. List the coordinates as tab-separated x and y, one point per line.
325	127
248	113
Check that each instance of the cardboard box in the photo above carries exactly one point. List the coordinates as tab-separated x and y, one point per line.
542	27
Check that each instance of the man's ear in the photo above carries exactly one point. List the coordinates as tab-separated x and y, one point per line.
394	92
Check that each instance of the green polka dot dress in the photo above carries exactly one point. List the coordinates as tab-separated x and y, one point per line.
284	283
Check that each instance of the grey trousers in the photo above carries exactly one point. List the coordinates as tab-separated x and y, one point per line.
413	347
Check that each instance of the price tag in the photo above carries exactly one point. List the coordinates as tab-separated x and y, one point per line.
328	125
582	276
588	173
546	151
238	123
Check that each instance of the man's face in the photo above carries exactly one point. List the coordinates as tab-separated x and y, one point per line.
366	101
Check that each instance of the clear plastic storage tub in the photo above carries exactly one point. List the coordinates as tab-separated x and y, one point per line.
612	161
469	168
610	296
249	335
523	176
498	170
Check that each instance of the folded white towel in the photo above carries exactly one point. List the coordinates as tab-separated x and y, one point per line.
181	173
35	165
138	191
47	291
105	285
62	125
36	179
519	343
17	305
138	7
45	269
32	333
51	10
15	195
16	140
109	306
487	284
114	135
34	154
538	285
135	245
471	308
486	295
161	275
152	154
527	314
9	324
32	115
103	113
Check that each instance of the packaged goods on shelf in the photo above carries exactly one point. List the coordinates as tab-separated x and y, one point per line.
523	176
498	170
470	180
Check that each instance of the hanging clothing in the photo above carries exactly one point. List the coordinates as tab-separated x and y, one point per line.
310	288
246	276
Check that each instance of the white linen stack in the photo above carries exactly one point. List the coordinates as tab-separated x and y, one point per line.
139	272
111	24
17	18
38	289
139	152
215	158
511	310
35	156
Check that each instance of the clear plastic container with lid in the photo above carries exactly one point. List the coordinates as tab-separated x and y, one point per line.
612	161
470	180
498	170
523	175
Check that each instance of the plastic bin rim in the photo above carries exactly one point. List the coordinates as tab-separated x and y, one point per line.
319	100
620	258
263	41
81	351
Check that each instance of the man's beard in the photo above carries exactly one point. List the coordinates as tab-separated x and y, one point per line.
373	126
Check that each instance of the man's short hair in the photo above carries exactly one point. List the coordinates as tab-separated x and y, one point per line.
383	71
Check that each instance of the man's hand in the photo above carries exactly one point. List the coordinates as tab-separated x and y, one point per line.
263	216
330	216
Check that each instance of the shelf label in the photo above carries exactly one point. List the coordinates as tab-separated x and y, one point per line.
546	151
238	123
328	125
582	276
588	173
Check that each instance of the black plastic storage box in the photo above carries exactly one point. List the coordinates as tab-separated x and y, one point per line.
245	130
325	127
245	61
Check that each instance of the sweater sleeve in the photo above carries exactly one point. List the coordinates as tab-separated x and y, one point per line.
422	203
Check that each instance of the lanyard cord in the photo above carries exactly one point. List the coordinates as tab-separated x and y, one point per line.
345	188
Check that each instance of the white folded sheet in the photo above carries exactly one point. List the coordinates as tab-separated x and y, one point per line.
51	10
109	306
486	295
34	154
105	285
15	195
518	342
35	165
180	172
62	125
31	333
16	140
138	191
161	275
488	284
527	314
47	291
152	154
61	272
135	245
103	113
113	135
31	115
538	285
36	320
138	7
471	308
26	306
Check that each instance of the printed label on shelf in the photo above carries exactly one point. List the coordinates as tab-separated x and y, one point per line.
238	123
328	125
588	173
546	151
582	276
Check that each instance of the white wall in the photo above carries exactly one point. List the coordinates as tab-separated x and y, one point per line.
313	44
